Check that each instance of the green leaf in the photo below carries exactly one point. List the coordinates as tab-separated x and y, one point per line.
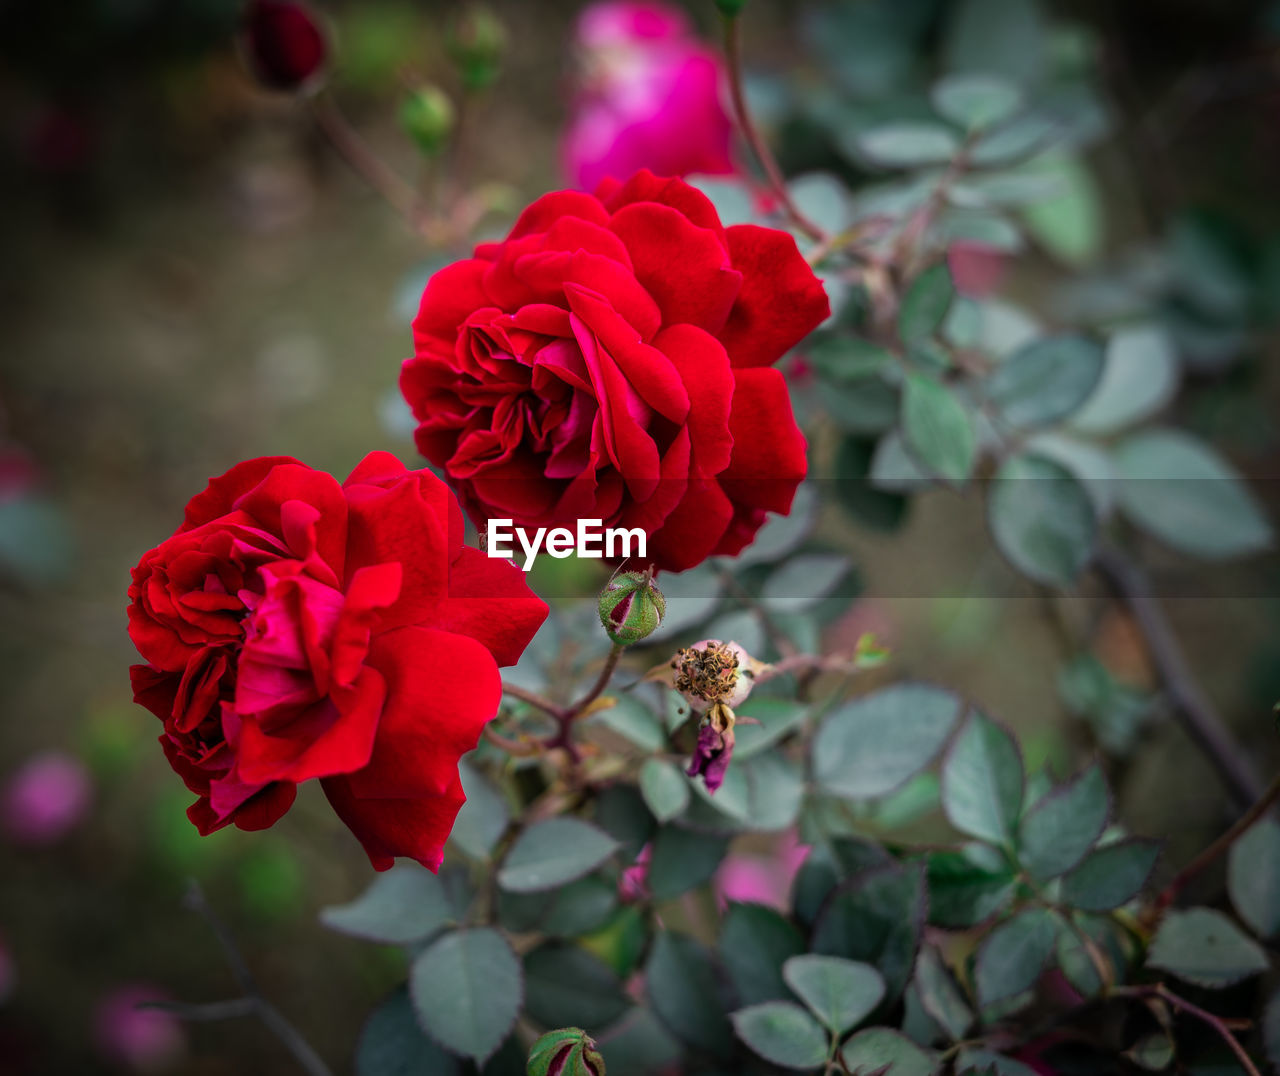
754	943
1046	380
823	198
1153	1052
634	722
483	818
1069	227
664	789
692	597
680	981
940	995
963	893
775	792
825	867
976	101
1181	491
876	917
682	860
990	1063
467	991
621	813
1253	877
894	469
1111	875
566	986
925	305
392	1044
904	144
803	581
640	1046
553	852
1006	37
782	534
937	428
982	781
783	1033
1042	519
845	359
1011	958
1058	832
1203	946
777	718
869	747
1139	379
1074	959
880	1051
841	993
403	905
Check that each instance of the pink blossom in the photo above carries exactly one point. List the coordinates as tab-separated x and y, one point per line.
45	799
634	883
762	879
647	95
976	268
144	1040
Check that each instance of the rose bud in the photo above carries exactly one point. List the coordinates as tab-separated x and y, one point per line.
427	117
283	44
139	1038
477	43
711	672
631	608
45	799
569	1051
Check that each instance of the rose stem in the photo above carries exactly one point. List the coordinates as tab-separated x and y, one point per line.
733	55
1159	990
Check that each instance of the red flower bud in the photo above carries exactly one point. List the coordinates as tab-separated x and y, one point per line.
284	45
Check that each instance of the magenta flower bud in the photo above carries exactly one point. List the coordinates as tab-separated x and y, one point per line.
284	44
141	1039
569	1051
45	799
711	756
634	883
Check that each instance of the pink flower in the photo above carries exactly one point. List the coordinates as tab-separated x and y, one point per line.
634	883
647	96
976	268
144	1040
762	879
45	799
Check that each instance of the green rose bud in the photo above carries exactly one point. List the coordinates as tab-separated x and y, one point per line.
476	45
731	8
631	608
427	117
570	1051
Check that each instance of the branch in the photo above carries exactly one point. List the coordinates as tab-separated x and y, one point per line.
1191	706
733	55
1218	847
253	999
533	699
1159	990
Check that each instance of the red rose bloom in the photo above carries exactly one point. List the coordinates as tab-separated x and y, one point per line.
298	628
610	360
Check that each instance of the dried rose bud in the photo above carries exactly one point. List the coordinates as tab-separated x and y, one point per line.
715	748
427	117
570	1051
631	608
711	672
284	44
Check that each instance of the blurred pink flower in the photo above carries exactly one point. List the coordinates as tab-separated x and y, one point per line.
762	879
143	1040
647	95
45	798
976	268
8	974
634	883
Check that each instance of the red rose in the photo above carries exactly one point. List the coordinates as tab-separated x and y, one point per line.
283	43
610	360
298	628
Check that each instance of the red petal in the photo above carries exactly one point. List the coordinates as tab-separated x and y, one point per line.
781	301
542	214
490	601
692	532
264	809
768	448
700	360
417	828
644	186
298	482
450	297
222	492
684	267
441	689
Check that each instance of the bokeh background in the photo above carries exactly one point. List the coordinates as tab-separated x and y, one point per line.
191	276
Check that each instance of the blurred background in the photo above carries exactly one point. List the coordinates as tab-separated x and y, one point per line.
192	276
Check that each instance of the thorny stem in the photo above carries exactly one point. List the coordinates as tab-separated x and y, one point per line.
1130	586
1218	847
1159	990
733	56
253	1000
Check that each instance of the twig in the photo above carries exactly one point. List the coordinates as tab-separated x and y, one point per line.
602	681
533	699
292	1039
810	663
1218	847
208	1010
774	633
1159	990
733	56
356	152
1130	586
